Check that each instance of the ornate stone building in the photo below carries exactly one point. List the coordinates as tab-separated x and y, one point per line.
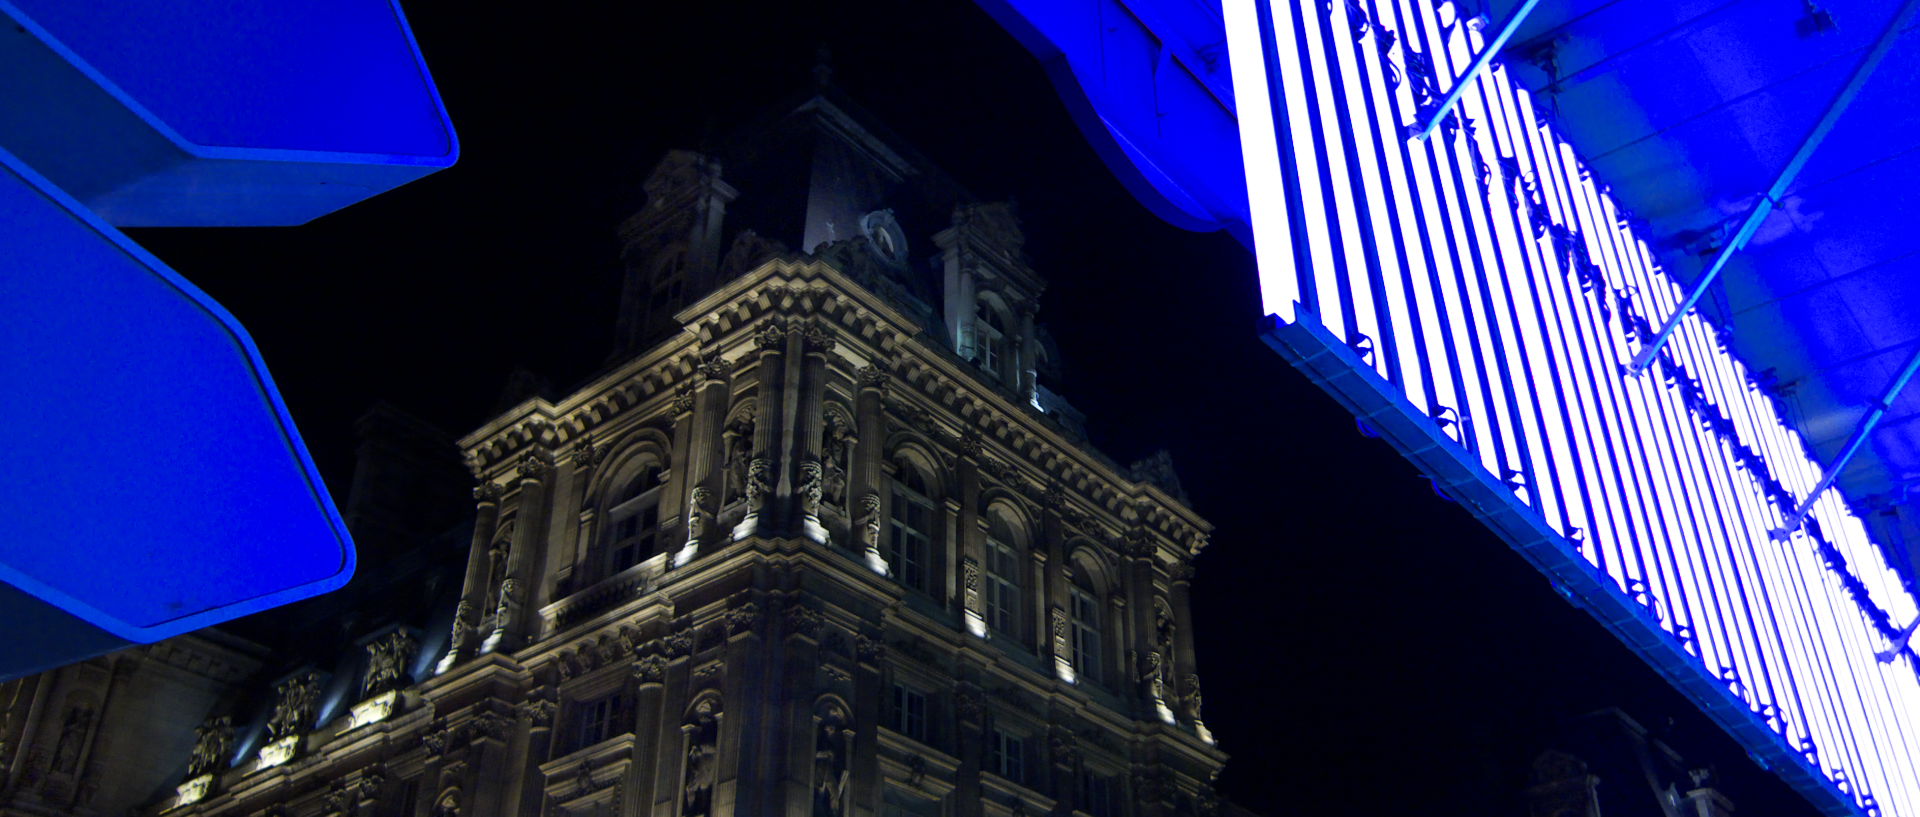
820	543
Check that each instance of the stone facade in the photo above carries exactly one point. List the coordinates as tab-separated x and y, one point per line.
823	545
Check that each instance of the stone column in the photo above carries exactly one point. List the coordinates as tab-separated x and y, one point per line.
772	343
1145	645
473	591
869	696
516	592
650	753
971	557
537	713
1189	683
698	417
809	475
970	708
864	482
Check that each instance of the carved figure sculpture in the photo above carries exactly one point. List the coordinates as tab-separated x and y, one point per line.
212	741
294	707
461	642
1153	674
698	516
758	484
509	603
703	736
839	439
739	437
811	489
831	746
1190	697
73	737
387	660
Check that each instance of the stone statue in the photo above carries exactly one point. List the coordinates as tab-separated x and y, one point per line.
1153	674
1190	698
698	516
870	534
811	489
839	440
212	742
509	603
758	484
739	436
387	660
703	737
831	746
293	710
73	737
461	642
1163	626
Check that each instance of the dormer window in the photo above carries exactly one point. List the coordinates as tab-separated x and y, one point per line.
989	338
633	523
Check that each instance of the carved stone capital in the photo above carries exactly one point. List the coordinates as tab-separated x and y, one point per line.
802	620
873	377
683	399
741	618
869	649
713	368
771	337
818	338
487	492
586	455
650	669
535	465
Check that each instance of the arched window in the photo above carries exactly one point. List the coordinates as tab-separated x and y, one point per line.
633	522
910	530
1084	612
989	337
1003	577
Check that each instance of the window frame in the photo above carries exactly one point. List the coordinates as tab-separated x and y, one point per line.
643	505
904	699
914	573
1007	755
1084	632
1003	588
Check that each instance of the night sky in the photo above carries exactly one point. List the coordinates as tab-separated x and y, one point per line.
1367	648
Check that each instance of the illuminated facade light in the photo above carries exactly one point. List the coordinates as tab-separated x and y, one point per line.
192	791
1477	297
278	752
372	710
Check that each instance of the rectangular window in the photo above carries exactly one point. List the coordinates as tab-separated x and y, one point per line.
1003	588
909	541
1007	756
909	712
1086	635
1095	793
594	721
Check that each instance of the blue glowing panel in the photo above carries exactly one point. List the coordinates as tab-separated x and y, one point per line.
1147	83
155	482
213	113
1474	296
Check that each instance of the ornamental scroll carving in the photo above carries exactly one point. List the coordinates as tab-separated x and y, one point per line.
772	337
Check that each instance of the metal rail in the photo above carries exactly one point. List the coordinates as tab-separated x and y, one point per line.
1480	61
1771	198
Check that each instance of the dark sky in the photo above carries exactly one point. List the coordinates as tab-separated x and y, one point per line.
1367	648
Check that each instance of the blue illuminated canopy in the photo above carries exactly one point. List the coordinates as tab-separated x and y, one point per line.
1477	296
157	113
155	483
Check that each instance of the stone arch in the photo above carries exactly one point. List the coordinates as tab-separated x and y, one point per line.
905	450
641	448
